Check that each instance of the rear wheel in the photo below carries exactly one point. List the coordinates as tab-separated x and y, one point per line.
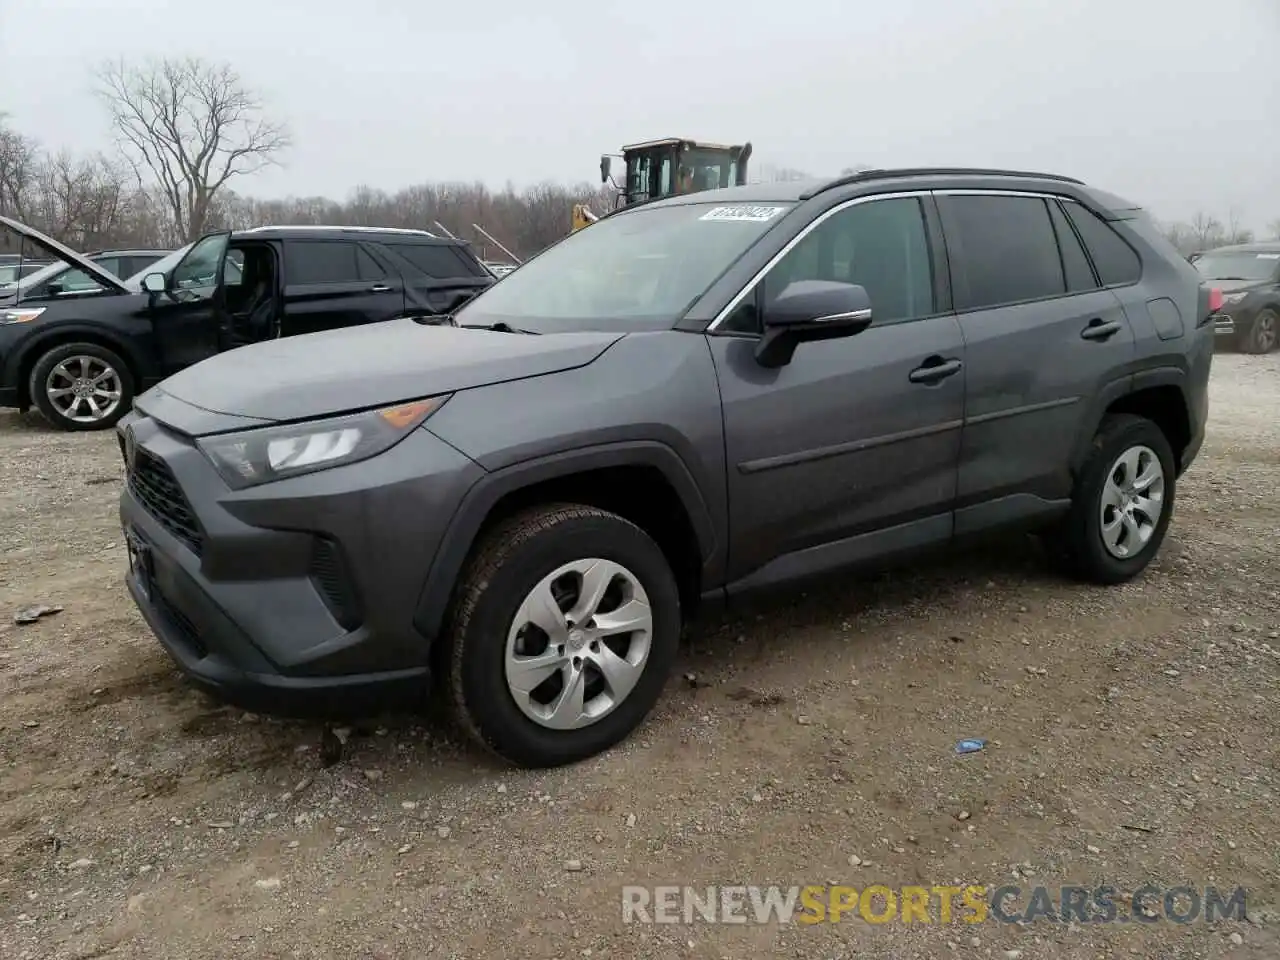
81	386
1263	335
563	635
1122	504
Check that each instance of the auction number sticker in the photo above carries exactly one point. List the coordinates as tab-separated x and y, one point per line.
1261	256
739	213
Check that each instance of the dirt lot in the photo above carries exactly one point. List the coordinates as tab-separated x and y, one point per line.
139	819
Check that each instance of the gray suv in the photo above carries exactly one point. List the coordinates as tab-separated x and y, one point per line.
686	401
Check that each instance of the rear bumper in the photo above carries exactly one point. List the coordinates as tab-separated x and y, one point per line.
295	598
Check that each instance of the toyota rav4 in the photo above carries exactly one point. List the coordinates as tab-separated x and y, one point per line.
686	401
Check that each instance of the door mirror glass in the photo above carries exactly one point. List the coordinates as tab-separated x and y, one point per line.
606	164
154	283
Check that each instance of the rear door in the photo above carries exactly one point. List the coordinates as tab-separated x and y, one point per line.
336	283
439	275
1042	337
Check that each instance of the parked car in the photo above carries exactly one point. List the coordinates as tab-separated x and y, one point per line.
695	399
1249	276
499	270
62	279
14	268
81	360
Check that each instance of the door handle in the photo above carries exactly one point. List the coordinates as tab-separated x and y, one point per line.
379	288
934	370
1099	329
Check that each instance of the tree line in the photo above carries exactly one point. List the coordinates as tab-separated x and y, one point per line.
189	133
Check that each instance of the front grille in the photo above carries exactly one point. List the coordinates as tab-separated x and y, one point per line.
157	489
332	581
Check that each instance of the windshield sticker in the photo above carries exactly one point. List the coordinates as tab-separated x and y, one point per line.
1265	256
743	213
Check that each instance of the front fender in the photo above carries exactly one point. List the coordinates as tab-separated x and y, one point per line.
24	351
475	507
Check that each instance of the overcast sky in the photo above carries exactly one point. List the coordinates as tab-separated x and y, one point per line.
1174	103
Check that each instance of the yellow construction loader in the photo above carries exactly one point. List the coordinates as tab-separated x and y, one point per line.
664	168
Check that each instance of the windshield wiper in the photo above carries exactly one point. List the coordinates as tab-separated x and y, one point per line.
499	326
1229	278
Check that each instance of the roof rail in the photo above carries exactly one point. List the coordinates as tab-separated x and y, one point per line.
887	174
340	227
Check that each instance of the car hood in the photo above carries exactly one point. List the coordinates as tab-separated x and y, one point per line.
358	368
59	252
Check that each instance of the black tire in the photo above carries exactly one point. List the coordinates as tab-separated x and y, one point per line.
44	366
1263	335
1078	542
504	568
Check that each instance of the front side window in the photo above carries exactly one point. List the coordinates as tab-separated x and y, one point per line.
880	245
1007	249
637	270
196	277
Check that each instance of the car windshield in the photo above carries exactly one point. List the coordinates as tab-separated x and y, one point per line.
164	265
41	275
1239	265
639	270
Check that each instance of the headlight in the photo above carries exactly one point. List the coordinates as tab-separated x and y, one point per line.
261	455
20	314
1234	297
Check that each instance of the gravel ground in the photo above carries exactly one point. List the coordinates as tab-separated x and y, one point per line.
140	819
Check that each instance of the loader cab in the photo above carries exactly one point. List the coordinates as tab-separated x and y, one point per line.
664	168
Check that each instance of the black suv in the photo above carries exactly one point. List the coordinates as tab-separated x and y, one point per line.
81	360
1248	275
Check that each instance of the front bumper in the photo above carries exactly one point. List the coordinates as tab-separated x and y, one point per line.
296	597
1224	325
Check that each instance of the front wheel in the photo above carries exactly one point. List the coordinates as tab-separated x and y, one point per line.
564	632
1123	502
81	386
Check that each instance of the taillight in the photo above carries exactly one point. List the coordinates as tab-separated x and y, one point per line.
1215	300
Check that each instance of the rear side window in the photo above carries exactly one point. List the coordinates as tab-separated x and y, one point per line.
438	261
1008	250
1115	261
320	261
1079	274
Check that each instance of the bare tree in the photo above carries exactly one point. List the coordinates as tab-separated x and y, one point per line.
1206	230
18	161
189	127
1236	231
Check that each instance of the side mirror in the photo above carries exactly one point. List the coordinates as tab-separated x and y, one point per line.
811	310
606	164
154	283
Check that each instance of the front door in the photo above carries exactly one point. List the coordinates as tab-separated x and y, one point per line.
849	452
185	318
